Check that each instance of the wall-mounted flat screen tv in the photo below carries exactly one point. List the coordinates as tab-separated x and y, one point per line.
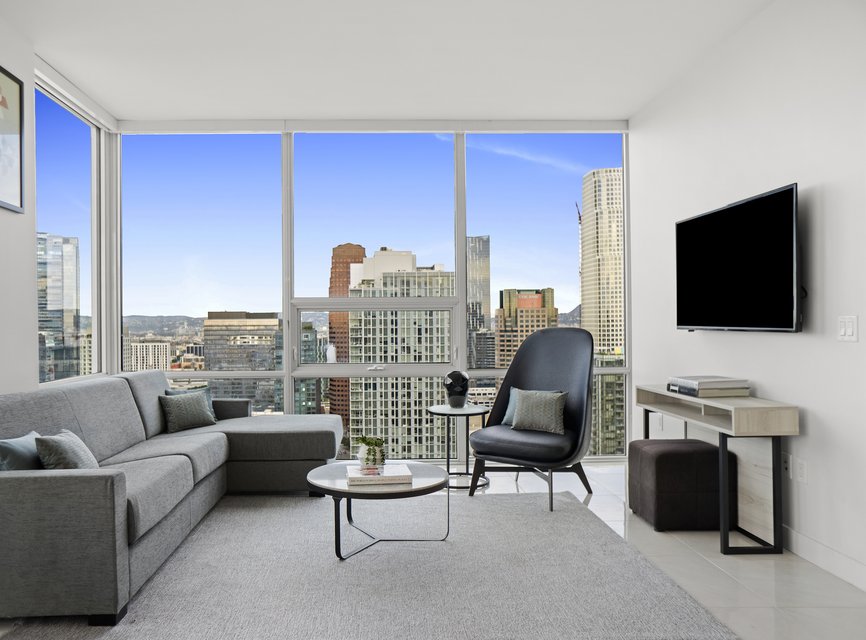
738	267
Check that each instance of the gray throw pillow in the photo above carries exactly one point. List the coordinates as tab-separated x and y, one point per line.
205	390
186	411
19	454
539	411
512	405
65	451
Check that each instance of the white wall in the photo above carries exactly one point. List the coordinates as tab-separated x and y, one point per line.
18	339
784	100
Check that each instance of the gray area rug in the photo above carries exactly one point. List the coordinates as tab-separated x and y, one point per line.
262	567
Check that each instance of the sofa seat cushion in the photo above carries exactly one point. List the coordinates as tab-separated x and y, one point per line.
276	437
153	488
206	451
501	441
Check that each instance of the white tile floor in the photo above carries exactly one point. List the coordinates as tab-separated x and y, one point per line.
758	597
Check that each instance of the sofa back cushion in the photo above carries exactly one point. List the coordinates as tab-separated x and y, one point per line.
146	387
100	411
107	415
46	411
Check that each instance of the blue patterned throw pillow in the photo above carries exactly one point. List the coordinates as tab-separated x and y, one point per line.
19	454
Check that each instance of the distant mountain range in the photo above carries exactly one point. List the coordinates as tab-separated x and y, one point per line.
163	325
157	325
570	319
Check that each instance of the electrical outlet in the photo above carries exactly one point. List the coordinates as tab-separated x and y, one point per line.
800	469
787	467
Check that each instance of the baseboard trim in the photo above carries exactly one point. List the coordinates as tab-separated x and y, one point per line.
840	565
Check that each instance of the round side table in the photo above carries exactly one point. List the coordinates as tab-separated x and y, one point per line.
459	479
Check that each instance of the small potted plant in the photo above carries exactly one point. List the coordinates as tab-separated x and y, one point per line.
371	454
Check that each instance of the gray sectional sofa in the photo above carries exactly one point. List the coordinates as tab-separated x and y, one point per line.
83	542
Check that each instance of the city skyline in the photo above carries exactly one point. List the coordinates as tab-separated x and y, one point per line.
396	406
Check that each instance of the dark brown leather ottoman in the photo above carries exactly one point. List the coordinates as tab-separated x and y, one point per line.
674	484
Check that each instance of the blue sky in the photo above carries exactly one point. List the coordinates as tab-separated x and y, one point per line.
63	182
202	213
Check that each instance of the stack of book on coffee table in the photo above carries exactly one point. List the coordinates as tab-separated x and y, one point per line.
708	386
387	474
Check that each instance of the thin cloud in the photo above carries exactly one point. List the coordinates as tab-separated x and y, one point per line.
560	164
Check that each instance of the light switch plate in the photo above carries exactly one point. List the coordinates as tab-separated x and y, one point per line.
847	330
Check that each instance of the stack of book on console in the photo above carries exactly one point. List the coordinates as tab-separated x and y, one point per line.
709	386
388	474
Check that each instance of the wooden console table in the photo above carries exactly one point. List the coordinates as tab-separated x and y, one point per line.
731	417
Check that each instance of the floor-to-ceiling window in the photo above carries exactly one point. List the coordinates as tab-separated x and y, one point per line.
66	246
202	262
374	283
401	256
545	248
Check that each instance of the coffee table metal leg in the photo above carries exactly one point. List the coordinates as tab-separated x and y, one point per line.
374	539
338	535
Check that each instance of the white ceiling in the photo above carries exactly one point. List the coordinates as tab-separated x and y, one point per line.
374	59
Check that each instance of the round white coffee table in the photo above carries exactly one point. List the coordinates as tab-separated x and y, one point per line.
330	479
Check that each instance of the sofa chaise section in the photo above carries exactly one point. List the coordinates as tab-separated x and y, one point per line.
266	453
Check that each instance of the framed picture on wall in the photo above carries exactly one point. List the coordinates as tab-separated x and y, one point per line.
11	147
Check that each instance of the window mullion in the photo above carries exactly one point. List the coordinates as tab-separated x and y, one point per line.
290	315
458	327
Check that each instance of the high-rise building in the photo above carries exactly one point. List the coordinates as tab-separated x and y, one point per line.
478	282
242	341
478	317
602	295
396	407
308	391
342	257
601	260
147	355
57	298
521	312
85	353
482	349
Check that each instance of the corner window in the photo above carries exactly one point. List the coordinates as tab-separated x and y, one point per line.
65	251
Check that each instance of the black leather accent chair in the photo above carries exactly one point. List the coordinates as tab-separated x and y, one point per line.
554	359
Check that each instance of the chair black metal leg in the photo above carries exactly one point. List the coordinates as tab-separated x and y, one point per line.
550	489
578	469
477	470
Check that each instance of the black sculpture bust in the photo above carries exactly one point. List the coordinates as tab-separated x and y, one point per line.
457	385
